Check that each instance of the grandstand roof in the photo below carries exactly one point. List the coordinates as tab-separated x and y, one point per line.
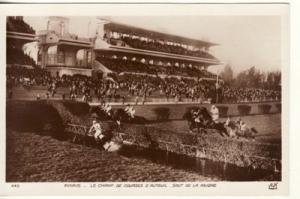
127	29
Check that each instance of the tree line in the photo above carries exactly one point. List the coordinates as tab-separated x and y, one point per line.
251	78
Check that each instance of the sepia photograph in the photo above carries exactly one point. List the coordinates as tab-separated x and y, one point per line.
135	98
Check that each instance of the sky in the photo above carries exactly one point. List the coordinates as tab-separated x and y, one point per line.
244	41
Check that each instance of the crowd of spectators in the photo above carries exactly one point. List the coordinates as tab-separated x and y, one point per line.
236	95
132	85
148	86
155	45
17	75
121	65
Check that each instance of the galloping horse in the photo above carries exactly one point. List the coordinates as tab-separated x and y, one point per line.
201	119
119	115
234	130
102	115
198	118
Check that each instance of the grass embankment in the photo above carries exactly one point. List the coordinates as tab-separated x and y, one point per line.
35	158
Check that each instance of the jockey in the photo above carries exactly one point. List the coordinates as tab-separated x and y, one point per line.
108	109
196	115
227	121
127	109
103	105
131	112
244	128
214	113
239	123
96	130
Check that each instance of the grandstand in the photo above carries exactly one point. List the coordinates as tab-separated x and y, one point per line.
121	63
132	49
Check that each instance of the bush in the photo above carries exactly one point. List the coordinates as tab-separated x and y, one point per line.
244	109
66	114
162	113
33	116
77	108
278	106
223	111
264	108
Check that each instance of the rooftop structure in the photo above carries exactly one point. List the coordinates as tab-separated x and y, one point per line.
118	48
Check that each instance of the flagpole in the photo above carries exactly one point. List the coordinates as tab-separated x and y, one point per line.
217	85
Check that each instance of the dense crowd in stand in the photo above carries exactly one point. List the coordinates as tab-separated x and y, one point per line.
171	87
131	85
17	24
250	95
121	65
17	75
154	45
128	66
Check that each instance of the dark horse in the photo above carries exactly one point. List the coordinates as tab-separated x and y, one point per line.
117	115
101	114
201	119
120	116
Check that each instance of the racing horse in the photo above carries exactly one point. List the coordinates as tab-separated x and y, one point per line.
117	117
234	131
102	115
120	116
82	134
199	117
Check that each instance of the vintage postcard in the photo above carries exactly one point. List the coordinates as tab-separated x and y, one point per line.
144	99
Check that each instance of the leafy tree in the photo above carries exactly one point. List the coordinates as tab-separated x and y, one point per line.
227	75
